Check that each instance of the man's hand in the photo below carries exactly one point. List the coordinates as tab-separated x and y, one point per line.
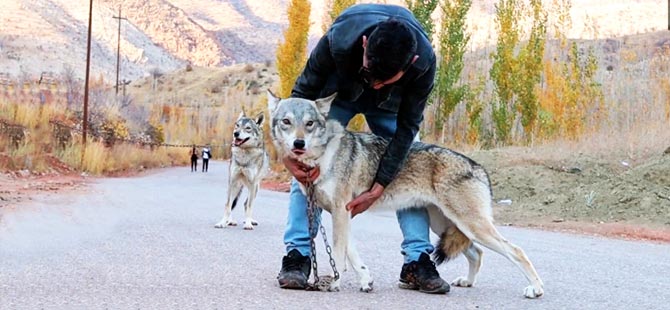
365	200
300	171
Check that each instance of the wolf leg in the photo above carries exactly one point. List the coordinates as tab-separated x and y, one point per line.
227	220
248	221
362	271
484	232
474	255
341	226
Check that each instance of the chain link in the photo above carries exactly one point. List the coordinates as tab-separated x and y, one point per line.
322	283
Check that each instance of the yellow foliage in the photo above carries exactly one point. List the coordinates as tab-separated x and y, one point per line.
357	123
292	53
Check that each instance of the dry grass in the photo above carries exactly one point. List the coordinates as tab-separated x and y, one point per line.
186	115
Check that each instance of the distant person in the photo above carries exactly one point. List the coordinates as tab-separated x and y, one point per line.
194	159
206	155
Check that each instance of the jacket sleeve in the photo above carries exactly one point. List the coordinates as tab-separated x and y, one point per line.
319	66
410	116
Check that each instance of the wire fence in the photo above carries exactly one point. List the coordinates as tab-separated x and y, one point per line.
64	133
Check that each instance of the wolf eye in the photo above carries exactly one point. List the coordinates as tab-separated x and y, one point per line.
310	123
286	121
247	128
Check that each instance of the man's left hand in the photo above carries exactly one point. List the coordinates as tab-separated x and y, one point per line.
365	200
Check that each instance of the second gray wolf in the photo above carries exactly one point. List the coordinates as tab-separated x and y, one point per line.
456	188
248	165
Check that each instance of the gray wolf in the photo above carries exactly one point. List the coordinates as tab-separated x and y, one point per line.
248	165
456	188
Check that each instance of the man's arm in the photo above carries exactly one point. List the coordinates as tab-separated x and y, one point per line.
313	78
410	116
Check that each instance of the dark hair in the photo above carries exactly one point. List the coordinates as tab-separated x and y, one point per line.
391	47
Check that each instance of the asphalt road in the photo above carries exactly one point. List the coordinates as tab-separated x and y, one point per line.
150	243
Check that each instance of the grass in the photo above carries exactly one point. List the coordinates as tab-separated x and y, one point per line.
632	123
181	121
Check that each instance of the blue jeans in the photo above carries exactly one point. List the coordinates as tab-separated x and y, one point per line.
414	222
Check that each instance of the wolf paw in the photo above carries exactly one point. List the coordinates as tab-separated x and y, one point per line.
367	287
533	292
248	226
224	223
461	282
253	222
335	286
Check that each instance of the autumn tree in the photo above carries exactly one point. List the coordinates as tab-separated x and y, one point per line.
530	66
292	53
504	71
333	9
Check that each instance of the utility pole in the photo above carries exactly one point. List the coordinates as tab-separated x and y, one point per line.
88	70
118	49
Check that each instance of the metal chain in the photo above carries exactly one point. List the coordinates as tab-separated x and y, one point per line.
322	283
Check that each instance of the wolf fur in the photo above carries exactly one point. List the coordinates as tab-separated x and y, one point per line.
456	189
248	165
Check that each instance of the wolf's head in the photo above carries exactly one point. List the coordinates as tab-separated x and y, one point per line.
248	132
298	125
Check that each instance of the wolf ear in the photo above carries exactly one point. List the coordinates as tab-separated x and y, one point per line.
242	114
323	104
273	101
259	118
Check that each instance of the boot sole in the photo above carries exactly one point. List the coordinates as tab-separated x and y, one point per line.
415	287
292	285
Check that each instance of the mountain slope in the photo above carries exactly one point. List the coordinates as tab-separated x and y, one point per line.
48	35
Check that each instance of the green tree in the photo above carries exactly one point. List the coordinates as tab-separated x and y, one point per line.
422	9
504	71
530	65
292	53
452	44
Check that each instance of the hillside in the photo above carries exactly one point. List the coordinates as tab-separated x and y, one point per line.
47	35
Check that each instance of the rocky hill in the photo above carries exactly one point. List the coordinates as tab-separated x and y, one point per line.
47	35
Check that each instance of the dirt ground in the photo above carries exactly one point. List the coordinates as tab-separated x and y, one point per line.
623	199
627	199
20	186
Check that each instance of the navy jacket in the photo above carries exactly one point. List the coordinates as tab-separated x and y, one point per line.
333	67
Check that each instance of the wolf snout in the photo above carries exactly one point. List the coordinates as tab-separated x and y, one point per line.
236	134
299	144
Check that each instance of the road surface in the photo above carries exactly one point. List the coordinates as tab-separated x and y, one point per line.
149	243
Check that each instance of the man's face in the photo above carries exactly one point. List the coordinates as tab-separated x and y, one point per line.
377	84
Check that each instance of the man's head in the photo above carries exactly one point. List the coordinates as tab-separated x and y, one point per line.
388	52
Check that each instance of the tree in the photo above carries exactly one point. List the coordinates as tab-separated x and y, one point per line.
504	71
452	41
333	9
422	9
292	53
530	61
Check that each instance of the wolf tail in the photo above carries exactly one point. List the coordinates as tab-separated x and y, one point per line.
452	243
235	200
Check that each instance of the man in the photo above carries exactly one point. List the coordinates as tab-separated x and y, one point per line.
381	63
206	155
